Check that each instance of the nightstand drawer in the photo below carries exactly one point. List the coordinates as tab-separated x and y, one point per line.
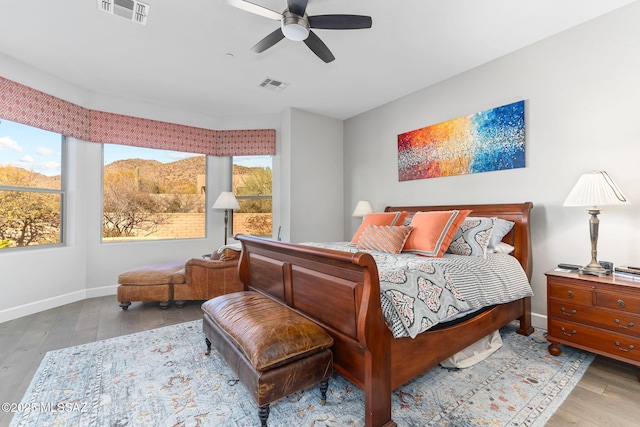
575	295
619	322
618	302
609	343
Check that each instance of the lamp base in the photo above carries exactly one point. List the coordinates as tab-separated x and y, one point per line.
594	271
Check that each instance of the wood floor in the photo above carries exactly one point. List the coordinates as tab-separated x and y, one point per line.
607	395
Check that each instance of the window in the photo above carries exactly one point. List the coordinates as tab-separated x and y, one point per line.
251	183
31	189
152	194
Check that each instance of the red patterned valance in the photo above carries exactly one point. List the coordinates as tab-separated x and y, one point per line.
25	105
31	107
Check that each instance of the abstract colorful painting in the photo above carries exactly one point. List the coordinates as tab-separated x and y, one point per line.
486	141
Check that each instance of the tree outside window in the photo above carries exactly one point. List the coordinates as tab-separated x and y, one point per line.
152	194
31	192
252	184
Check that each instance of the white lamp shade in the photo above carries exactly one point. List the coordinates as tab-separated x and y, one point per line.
226	200
363	207
595	189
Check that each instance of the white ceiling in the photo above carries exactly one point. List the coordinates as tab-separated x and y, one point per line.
181	57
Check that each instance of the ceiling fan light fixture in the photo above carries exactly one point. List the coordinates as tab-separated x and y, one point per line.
295	27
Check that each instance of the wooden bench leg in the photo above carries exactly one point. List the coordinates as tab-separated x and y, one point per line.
324	385
208	352
263	414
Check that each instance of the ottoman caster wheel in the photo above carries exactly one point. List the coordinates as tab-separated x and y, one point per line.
180	303
164	305
125	305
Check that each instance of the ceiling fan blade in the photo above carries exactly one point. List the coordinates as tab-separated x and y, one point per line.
297	6
256	9
340	22
268	41
318	47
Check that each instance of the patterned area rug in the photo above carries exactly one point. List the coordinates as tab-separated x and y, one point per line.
162	378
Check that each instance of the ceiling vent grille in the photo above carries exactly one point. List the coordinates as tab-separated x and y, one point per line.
273	84
132	10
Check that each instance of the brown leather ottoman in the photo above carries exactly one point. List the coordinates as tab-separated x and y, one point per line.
150	283
273	350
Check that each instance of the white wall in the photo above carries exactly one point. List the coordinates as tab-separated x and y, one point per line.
313	173
582	93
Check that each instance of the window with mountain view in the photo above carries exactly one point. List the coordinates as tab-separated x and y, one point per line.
252	185
152	194
31	191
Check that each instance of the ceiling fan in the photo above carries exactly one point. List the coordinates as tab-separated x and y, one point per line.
296	25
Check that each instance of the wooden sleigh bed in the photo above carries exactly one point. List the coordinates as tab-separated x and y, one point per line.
341	292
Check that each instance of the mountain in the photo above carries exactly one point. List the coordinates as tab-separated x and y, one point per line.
180	172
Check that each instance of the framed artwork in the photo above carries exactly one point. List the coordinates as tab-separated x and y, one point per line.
490	140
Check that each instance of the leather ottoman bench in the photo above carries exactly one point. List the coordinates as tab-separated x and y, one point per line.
150	283
273	350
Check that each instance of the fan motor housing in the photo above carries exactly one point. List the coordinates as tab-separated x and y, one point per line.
295	27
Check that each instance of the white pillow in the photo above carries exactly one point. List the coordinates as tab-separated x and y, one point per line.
500	229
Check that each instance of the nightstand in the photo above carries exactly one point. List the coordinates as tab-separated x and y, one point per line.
596	314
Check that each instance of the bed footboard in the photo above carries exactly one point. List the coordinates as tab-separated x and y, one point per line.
340	292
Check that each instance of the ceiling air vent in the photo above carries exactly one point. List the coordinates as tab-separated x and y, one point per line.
132	10
273	84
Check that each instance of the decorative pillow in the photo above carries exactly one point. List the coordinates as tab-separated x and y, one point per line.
378	218
500	229
472	238
384	238
433	231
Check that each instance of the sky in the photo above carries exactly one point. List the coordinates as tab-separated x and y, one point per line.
39	150
30	148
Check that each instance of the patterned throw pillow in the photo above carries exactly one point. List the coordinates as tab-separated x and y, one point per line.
379	218
433	231
473	236
384	238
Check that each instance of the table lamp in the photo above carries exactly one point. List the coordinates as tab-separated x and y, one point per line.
594	190
363	207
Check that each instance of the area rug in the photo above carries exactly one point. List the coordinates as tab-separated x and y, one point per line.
162	377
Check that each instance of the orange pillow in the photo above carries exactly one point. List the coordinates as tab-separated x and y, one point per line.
433	232
379	218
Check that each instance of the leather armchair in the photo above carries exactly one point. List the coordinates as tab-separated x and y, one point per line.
208	278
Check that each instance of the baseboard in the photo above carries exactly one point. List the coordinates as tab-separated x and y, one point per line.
539	321
49	303
107	290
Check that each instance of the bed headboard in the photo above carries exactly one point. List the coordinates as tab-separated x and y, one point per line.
519	237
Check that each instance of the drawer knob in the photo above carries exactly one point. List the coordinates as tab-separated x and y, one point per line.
629	325
631	347
620	303
570	313
570	294
564	331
